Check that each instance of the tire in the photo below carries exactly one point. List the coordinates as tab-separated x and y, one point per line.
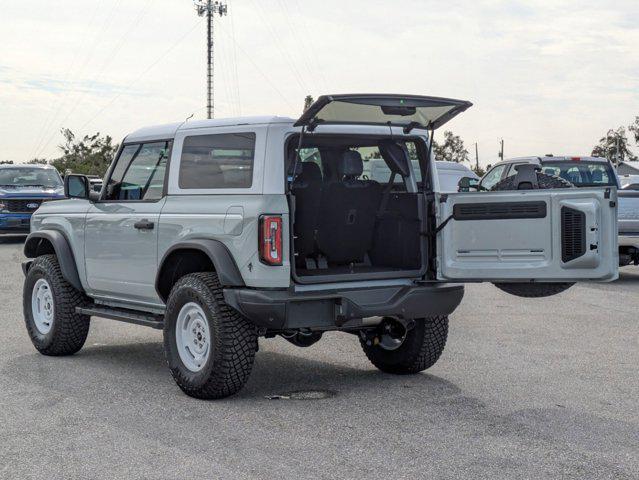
220	365
420	350
54	327
534	290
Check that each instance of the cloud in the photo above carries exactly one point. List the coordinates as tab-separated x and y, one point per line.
544	75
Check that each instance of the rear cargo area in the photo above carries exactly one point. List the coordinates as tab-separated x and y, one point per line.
357	211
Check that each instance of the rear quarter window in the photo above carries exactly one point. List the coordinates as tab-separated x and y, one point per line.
217	161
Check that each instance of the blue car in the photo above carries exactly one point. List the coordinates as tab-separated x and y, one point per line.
23	188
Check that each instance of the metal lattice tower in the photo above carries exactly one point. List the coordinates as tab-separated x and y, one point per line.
210	8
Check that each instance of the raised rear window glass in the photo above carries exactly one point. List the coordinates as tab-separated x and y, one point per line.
582	173
217	161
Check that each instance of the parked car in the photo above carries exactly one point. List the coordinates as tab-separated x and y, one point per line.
629	182
584	172
267	226
450	173
23	188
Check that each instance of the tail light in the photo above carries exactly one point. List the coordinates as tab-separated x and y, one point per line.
271	239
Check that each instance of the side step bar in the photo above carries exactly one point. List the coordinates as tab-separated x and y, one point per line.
124	315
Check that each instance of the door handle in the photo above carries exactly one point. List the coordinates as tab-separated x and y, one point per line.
144	224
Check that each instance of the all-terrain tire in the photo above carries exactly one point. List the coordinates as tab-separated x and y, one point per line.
68	329
534	290
421	348
232	342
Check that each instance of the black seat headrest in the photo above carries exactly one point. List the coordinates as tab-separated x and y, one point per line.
395	156
311	172
351	165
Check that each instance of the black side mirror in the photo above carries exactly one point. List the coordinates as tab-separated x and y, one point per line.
76	186
465	184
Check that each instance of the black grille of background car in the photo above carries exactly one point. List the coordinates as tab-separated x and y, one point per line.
573	234
20	206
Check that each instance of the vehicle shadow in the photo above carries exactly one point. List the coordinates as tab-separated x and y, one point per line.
142	367
11	239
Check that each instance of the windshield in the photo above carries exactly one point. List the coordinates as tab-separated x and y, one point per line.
582	173
30	177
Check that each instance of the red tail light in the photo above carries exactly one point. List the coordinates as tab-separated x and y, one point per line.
271	239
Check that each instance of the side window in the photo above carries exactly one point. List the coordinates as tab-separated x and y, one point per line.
139	172
217	161
512	171
492	177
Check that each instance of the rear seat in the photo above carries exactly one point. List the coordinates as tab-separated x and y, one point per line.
348	212
307	188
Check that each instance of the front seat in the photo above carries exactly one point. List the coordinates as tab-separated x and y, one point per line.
307	188
348	212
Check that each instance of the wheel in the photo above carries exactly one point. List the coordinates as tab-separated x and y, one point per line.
394	350
209	346
49	303
534	290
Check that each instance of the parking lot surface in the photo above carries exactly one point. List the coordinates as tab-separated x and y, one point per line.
525	389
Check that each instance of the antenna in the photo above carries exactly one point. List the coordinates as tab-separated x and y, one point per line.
210	8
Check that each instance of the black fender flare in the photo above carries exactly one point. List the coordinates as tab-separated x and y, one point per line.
62	250
219	254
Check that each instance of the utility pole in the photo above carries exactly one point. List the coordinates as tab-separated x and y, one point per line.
210	8
501	150
476	158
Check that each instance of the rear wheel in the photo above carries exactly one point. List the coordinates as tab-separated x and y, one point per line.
393	349
49	304
209	347
533	290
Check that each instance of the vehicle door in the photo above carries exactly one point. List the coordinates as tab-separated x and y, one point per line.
561	235
121	228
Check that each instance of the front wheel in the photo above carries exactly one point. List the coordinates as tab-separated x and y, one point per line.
209	347
49	304
393	349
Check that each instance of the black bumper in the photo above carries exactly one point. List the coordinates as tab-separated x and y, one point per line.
334	309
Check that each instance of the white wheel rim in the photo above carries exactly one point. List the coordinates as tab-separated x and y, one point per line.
193	337
42	306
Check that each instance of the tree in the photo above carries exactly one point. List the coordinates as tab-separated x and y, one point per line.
478	170
38	161
308	101
634	128
614	147
452	150
6	162
90	156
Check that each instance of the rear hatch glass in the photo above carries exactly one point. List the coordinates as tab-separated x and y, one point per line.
369	109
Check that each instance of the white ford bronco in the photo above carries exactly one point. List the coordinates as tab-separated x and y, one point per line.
223	231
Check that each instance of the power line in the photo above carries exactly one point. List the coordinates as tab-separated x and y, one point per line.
146	70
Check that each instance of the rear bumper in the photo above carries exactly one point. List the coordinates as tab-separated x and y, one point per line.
342	309
15	222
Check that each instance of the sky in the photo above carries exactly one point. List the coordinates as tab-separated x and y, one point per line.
547	76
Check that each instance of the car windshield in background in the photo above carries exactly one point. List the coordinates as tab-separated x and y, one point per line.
582	173
30	177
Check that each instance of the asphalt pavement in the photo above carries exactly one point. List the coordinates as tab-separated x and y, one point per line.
525	389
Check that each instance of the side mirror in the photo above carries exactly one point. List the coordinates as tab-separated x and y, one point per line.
76	186
465	184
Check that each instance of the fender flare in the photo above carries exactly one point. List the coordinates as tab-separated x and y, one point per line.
219	254
62	250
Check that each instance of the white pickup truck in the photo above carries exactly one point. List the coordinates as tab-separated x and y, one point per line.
583	172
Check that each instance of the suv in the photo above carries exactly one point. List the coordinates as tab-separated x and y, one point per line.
223	231
23	188
582	172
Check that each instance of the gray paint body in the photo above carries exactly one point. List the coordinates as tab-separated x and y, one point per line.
118	264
